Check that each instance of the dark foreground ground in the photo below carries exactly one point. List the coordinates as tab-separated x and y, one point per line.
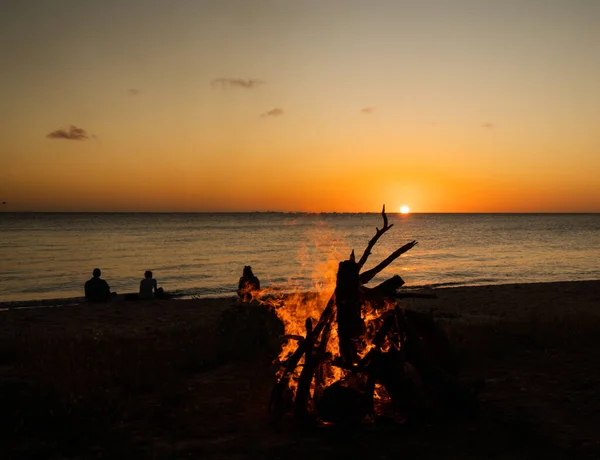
153	380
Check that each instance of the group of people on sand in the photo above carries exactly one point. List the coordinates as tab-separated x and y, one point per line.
98	290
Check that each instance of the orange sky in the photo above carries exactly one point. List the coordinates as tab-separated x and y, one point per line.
445	106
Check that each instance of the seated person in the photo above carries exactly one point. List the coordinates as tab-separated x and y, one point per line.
148	287
248	285
97	289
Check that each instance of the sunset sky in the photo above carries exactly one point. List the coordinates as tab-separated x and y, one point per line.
300	105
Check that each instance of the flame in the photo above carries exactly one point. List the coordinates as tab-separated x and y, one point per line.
294	308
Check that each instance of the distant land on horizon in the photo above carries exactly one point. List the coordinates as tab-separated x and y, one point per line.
294	212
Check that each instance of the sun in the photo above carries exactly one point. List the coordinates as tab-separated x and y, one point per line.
404	209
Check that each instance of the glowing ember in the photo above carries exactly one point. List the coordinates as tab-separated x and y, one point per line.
351	352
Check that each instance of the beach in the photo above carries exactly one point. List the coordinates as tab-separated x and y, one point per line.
51	255
149	380
300	230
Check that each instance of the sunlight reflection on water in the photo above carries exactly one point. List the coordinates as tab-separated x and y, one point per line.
52	255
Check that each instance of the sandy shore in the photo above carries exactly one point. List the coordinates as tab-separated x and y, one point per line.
143	379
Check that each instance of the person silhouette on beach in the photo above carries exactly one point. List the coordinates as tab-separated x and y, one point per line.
148	287
97	289
248	285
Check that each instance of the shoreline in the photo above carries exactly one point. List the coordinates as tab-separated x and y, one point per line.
121	298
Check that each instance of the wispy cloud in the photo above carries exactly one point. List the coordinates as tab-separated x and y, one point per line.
72	133
226	83
488	125
275	112
367	110
133	91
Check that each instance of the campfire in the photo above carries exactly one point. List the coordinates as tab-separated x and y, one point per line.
366	357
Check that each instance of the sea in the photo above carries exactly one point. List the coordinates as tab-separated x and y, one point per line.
51	255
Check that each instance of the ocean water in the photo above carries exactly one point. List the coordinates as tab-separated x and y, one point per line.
51	255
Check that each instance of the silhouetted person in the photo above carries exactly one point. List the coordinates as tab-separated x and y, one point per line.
148	287
248	284
97	289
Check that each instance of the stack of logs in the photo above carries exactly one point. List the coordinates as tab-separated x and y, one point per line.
403	352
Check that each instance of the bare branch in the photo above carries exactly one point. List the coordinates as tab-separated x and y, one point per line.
378	234
367	276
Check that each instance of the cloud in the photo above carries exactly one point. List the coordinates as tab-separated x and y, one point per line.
226	83
488	125
367	110
72	133
133	91
272	113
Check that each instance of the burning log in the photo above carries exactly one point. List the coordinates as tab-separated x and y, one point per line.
403	351
322	356
277	403
349	321
310	364
378	295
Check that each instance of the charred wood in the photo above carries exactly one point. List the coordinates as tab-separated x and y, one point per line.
387	289
342	405
306	376
281	390
388	323
409	355
322	356
350	323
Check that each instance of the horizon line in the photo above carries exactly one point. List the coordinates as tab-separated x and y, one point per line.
298	212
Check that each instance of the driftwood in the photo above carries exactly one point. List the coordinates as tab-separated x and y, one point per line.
367	276
408	354
373	240
303	390
349	321
277	404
